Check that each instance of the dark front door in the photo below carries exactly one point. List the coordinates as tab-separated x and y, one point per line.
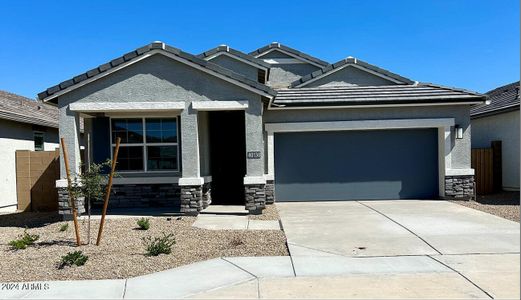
227	156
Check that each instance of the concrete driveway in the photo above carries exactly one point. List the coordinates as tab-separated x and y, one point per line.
432	243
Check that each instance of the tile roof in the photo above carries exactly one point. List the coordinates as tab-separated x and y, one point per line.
160	46
502	99
295	52
237	53
372	95
20	109
349	61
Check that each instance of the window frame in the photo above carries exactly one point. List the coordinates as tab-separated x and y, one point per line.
35	132
144	144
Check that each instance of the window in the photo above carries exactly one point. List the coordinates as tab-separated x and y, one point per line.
147	144
38	141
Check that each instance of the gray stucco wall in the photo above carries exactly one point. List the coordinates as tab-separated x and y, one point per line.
236	66
505	128
204	143
155	79
350	76
461	147
281	75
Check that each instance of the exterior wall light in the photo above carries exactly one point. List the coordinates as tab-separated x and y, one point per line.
458	131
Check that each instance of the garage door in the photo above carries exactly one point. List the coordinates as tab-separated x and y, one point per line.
356	165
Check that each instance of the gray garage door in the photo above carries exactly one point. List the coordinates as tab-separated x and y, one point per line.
356	165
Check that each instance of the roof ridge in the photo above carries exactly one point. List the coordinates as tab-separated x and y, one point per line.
277	45
235	52
504	88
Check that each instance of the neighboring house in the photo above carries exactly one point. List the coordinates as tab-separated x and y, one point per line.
25	124
499	121
275	124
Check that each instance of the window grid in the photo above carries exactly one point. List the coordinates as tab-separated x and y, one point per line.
144	144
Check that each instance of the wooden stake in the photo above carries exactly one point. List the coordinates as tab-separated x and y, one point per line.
107	193
72	201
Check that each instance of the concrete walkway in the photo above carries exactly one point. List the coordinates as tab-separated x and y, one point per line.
370	250
450	276
231	217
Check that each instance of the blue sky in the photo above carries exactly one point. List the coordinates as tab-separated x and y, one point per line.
469	44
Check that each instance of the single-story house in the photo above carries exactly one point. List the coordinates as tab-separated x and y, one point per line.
272	125
25	124
499	121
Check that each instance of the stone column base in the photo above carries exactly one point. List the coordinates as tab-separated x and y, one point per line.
63	204
459	187
270	192
191	199
255	195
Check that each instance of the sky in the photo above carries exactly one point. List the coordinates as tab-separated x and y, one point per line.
471	44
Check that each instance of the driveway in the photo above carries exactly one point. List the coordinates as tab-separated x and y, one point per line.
432	243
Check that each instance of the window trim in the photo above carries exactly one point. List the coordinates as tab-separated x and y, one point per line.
43	139
144	144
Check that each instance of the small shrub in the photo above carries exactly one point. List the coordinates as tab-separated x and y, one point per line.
28	238
64	227
17	244
143	223
76	258
236	242
24	240
159	245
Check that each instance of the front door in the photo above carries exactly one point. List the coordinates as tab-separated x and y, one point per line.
227	156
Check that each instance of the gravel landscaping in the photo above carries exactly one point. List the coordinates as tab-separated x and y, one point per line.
504	204
270	213
121	254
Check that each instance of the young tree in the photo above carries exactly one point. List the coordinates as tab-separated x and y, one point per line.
91	184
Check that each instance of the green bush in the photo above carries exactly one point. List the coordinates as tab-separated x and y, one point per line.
159	245
24	240
76	258
17	244
143	223
64	227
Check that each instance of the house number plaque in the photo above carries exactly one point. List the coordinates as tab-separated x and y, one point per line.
253	154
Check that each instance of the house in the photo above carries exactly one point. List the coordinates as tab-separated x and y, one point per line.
273	125
25	124
499	121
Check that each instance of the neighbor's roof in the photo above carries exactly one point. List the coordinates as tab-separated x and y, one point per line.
237	53
292	51
20	109
373	95
71	83
502	99
346	62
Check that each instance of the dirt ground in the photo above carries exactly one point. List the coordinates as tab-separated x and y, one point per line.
122	253
504	204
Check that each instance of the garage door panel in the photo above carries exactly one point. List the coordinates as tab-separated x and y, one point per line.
356	165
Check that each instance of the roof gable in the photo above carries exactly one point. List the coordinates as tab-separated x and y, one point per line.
147	51
236	54
277	47
354	63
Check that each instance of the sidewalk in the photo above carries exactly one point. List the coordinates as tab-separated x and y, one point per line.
448	276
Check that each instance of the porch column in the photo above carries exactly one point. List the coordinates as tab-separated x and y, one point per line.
69	130
191	182
254	182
